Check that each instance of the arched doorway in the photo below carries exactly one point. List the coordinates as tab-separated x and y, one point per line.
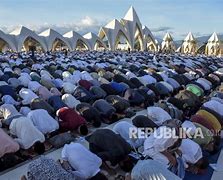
99	46
150	46
59	45
81	45
31	44
186	49
4	46
121	42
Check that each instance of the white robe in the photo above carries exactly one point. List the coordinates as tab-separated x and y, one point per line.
27	134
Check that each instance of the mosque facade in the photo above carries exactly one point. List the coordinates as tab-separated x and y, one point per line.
125	34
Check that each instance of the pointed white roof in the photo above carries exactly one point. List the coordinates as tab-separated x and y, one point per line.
131	15
17	31
50	35
190	37
131	23
73	37
113	27
71	34
21	30
92	39
21	33
113	24
111	31
49	32
213	38
90	35
168	43
167	37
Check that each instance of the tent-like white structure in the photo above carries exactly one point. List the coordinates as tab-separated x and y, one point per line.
133	26
167	45
75	39
189	45
214	46
126	33
94	41
53	38
6	42
24	37
129	29
112	32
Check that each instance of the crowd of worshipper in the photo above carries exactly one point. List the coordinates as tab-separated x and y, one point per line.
49	100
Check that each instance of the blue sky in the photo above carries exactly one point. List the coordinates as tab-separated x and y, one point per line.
178	17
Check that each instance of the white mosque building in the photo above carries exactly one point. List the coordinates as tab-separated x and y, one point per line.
189	45
214	46
168	45
128	33
125	34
